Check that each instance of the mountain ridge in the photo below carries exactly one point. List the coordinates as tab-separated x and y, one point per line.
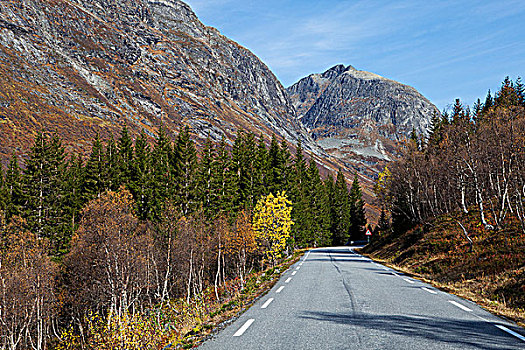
87	67
359	117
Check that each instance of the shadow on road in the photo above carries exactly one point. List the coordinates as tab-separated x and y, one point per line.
463	332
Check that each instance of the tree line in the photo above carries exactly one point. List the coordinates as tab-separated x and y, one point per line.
473	160
139	223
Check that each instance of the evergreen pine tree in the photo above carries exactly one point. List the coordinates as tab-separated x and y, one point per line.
383	224
261	166
341	211
299	197
249	173
185	155
286	159
357	210
112	166
434	131
520	92
276	167
95	172
163	162
43	191
318	212
206	185
73	202
141	178
507	95
400	220
489	103
225	180
125	157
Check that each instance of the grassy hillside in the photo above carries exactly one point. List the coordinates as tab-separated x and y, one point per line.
492	274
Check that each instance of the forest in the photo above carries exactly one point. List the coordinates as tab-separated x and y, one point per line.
92	245
472	161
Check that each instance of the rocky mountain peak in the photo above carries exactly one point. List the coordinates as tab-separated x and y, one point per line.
359	117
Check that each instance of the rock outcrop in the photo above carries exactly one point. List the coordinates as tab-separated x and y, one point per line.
359	117
78	67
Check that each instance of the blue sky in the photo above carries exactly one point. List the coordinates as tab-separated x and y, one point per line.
445	49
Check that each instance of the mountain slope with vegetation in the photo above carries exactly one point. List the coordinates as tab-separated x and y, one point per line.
79	68
457	203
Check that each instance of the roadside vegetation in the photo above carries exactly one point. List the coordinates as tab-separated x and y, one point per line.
456	201
149	243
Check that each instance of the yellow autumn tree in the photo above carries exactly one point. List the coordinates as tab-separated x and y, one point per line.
272	223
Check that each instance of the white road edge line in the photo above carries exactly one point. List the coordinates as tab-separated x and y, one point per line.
409	281
293	273
459	305
279	290
505	329
244	327
429	290
288	280
265	305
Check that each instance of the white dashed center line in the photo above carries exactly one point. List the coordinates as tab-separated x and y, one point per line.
460	306
265	305
505	329
279	290
429	290
288	280
298	267
293	273
244	328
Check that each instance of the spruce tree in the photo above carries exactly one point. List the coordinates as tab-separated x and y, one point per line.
489	103
141	178
299	198
163	162
225	180
520	92
185	156
286	159
236	172
434	131
95	172
357	211
318	217
43	193
73	196
112	166
125	157
276	167
507	95
383	224
261	166
206	185
341	211
249	173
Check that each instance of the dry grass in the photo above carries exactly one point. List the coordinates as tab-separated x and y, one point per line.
492	275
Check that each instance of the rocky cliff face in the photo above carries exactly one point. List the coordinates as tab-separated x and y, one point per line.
359	117
78	67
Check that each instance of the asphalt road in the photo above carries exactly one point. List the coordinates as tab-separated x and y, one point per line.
334	298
